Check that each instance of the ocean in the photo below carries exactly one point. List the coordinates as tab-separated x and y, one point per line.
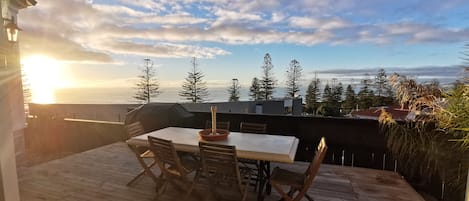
125	95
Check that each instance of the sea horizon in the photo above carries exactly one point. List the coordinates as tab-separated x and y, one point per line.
119	95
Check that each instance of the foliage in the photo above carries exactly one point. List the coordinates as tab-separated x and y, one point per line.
147	86
365	95
332	97
327	94
233	90
414	95
294	74
383	91
337	92
350	99
312	96
422	145
268	81
194	88
255	90
454	117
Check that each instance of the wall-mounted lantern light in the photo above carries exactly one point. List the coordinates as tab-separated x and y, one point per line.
12	30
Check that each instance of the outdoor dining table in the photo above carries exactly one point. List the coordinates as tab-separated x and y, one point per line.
262	147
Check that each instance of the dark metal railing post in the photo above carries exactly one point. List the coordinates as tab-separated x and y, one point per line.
467	186
384	161
443	187
343	157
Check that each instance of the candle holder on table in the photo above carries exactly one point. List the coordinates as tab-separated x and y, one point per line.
214	134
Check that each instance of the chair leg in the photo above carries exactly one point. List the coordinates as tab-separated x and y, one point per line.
192	184
161	189
284	195
291	192
142	172
146	168
213	190
244	195
309	197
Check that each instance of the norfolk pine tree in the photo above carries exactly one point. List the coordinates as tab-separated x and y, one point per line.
255	90
268	81
312	96
194	88
332	97
294	73
233	90
350	99
365	95
147	86
383	91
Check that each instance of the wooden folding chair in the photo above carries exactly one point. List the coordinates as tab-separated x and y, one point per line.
141	153
220	167
220	124
246	127
173	168
298	182
257	128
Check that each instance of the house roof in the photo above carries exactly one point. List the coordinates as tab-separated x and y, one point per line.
373	113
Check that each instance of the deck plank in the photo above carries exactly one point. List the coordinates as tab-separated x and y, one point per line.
101	174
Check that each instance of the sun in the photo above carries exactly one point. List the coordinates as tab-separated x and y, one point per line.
43	76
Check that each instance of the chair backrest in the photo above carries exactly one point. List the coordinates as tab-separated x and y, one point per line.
135	129
220	163
220	124
246	127
313	167
166	157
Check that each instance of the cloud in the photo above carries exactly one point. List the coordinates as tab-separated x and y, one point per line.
173	19
94	31
225	17
59	48
445	74
131	16
317	23
80	37
277	17
148	4
162	50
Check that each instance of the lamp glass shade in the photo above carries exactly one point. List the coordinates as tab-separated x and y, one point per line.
12	32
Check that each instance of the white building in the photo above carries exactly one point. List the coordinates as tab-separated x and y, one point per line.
12	120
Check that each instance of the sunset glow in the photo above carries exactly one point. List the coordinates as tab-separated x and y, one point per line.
44	75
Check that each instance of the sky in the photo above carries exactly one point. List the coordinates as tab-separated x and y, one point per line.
102	43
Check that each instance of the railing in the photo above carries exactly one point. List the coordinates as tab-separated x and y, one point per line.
351	141
50	138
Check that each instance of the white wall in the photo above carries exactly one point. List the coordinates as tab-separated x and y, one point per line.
11	111
7	150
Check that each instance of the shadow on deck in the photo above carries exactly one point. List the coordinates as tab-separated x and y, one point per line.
102	174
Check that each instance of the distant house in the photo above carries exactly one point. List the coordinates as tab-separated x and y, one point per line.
373	113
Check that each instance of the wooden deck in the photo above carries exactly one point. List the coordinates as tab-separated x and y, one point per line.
101	174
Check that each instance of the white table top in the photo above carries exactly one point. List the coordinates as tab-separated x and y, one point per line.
274	148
